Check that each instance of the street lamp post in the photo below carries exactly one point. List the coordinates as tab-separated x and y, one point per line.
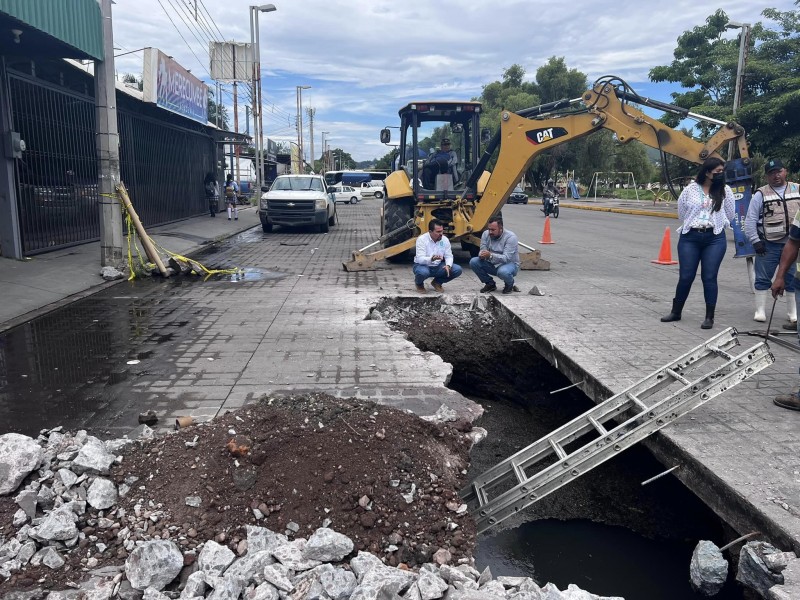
324	152
300	89
258	123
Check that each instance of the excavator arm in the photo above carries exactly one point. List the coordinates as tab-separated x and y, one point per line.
523	139
526	134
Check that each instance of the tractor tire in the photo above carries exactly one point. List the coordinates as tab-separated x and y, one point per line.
396	214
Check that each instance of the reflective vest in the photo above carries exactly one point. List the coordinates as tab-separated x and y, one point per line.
778	211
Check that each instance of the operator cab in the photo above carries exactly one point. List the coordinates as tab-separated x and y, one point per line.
423	126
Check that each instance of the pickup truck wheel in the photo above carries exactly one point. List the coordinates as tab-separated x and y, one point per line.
266	227
379	195
332	219
324	228
396	214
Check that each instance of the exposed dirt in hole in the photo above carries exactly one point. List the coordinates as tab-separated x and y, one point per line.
302	459
513	384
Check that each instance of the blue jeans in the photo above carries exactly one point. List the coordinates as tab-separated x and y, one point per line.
439	274
766	265
704	249
484	270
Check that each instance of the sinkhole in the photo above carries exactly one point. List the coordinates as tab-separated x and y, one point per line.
604	531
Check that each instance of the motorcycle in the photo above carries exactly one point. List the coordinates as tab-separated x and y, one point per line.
550	205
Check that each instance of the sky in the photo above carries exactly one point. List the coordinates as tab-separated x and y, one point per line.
364	60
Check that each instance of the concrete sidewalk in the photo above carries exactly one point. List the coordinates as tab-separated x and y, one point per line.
47	281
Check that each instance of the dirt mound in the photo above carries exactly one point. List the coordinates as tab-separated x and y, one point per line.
387	479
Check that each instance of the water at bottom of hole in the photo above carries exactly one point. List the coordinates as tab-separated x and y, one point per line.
602	559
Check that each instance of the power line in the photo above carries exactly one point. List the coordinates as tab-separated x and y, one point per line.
203	6
183	38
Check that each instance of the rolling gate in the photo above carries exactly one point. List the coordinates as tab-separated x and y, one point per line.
163	157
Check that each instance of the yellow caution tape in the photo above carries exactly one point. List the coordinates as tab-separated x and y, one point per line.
146	266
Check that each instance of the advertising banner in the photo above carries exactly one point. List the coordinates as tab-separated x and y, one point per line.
171	87
231	61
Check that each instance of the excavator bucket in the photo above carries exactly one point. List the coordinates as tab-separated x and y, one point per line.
359	262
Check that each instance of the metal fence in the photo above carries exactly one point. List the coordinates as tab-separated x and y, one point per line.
162	163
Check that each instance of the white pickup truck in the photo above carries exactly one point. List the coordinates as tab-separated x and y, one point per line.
373	189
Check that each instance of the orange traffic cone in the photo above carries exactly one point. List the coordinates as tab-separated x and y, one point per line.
665	255
546	239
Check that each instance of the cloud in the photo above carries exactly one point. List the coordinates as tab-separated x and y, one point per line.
364	60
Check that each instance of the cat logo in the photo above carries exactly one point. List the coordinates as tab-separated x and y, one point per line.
540	136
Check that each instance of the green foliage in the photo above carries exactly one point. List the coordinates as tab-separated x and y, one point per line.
705	64
212	111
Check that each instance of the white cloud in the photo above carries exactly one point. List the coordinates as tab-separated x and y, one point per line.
364	60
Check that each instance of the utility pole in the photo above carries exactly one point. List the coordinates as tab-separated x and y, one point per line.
311	111
107	144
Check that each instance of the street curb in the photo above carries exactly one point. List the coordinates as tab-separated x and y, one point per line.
624	211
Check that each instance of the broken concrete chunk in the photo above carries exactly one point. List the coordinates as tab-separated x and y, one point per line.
111	274
708	569
327	545
153	564
93	458
19	456
214	558
753	571
261	538
102	494
291	555
59	525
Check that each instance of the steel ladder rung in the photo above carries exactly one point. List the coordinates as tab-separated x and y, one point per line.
562	454
636	401
678	376
600	429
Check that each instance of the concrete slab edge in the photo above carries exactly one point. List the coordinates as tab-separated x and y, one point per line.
724	500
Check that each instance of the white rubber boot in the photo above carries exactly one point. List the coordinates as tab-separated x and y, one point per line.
761	303
791	307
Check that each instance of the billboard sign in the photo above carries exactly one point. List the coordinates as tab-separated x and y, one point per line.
171	87
231	61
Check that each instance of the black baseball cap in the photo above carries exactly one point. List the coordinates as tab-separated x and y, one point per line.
445	141
773	164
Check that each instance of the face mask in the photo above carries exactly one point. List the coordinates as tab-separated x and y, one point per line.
718	178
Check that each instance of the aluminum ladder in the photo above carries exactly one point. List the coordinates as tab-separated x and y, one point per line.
654	402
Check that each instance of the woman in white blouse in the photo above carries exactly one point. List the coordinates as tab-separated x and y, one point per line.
706	207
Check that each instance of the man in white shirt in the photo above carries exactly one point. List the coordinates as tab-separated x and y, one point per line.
434	258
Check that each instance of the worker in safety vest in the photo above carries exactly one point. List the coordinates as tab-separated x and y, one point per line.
766	225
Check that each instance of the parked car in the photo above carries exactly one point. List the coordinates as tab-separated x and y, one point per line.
518	196
295	200
372	189
346	193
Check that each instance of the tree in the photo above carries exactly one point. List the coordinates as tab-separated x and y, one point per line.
131	78
212	111
705	65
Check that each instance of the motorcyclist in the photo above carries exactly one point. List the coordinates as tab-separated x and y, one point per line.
548	196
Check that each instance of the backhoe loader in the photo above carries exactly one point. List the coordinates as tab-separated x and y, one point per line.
413	200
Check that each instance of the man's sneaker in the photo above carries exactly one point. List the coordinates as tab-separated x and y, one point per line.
790	401
508	289
489	287
790	326
420	288
438	287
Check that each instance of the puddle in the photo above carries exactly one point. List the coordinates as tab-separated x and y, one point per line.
602	529
64	367
253	274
